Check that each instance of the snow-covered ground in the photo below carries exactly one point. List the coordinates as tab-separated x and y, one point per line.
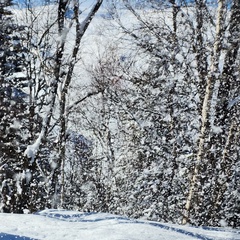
70	225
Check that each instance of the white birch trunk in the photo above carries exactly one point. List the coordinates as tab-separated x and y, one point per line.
206	107
79	31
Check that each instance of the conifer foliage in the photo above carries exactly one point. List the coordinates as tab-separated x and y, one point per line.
160	110
13	111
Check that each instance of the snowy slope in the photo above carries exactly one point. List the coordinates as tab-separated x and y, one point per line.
70	225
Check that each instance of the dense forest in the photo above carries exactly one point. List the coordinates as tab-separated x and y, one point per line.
126	107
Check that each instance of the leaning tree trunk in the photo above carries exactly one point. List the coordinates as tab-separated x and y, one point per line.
205	114
80	29
62	72
227	117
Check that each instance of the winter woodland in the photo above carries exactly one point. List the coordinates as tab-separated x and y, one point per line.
125	107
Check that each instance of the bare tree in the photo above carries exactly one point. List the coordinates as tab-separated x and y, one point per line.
183	76
211	81
51	60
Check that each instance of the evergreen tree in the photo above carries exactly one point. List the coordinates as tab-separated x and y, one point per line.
13	112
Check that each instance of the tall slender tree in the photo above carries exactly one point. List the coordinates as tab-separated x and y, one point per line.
13	111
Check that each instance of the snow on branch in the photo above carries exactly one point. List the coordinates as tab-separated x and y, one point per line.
32	150
89	17
233	102
69	108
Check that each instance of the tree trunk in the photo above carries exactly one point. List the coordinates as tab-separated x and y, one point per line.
205	121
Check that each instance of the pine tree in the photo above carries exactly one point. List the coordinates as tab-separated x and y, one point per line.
12	111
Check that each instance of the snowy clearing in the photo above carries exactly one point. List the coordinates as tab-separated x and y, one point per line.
60	224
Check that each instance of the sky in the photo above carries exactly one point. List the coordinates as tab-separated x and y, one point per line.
21	2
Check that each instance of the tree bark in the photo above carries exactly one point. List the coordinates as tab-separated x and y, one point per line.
205	124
